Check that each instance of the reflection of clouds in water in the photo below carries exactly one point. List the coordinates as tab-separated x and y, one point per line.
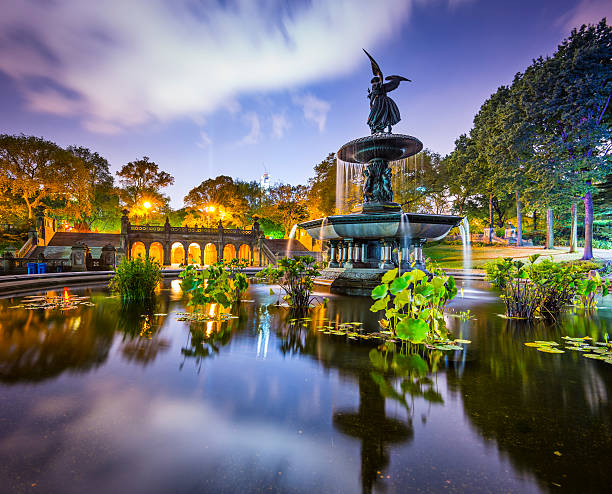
130	432
594	389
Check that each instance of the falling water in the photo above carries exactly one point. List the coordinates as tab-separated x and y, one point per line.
321	233
405	231
464	229
350	182
289	242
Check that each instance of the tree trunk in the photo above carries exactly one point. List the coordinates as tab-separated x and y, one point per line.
573	243
535	220
491	218
550	234
519	220
25	198
588	226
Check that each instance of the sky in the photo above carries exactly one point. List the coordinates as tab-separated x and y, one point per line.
239	87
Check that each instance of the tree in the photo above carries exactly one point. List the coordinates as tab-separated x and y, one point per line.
287	205
34	170
570	101
222	194
141	181
101	208
322	188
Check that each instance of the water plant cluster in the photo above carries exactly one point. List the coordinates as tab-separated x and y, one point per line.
136	279
545	289
53	302
296	277
413	305
599	350
221	283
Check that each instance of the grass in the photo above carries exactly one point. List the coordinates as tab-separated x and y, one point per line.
451	256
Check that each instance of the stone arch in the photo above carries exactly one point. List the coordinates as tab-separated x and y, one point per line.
210	254
194	253
229	252
137	250
177	255
244	252
156	252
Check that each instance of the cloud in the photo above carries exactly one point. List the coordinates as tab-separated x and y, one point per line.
279	125
117	64
255	133
586	12
204	141
315	109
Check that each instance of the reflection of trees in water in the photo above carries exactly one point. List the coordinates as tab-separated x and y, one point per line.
41	344
534	403
206	338
36	344
139	326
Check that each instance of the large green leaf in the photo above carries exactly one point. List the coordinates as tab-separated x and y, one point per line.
380	304
389	275
380	291
415	330
398	285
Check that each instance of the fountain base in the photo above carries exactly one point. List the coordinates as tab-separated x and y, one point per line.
377	207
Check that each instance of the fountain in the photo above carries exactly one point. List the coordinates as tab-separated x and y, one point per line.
366	243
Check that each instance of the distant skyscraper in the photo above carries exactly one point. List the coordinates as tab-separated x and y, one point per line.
265	182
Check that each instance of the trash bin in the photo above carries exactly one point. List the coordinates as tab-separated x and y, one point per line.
42	267
32	268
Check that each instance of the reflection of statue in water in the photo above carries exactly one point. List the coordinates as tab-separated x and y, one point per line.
383	110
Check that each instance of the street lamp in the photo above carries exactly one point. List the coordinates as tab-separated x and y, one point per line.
147	206
208	209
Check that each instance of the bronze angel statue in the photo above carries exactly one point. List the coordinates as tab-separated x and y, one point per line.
383	110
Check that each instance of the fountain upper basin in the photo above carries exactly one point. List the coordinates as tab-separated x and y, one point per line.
390	147
422	227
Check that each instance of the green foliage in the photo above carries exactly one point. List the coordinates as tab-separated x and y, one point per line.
296	277
136	279
222	283
544	289
414	304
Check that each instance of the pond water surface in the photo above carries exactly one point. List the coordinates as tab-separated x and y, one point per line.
98	400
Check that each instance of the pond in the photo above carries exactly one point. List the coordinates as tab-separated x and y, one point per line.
95	399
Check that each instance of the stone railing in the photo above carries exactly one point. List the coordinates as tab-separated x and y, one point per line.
189	229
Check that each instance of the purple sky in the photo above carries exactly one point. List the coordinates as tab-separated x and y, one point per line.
239	87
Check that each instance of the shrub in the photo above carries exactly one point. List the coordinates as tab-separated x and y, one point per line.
296	277
136	279
414	304
222	283
543	289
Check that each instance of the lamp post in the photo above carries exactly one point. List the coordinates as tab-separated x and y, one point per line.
208	209
147	206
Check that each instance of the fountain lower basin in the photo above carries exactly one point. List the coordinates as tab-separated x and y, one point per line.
406	226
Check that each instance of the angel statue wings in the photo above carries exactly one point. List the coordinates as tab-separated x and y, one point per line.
383	110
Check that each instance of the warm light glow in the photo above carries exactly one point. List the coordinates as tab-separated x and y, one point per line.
147	205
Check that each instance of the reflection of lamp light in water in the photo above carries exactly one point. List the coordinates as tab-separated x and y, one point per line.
66	294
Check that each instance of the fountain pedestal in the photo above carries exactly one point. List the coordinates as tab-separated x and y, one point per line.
377	236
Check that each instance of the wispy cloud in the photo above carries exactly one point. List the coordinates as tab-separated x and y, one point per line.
205	140
279	125
586	12
255	129
118	63
315	109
